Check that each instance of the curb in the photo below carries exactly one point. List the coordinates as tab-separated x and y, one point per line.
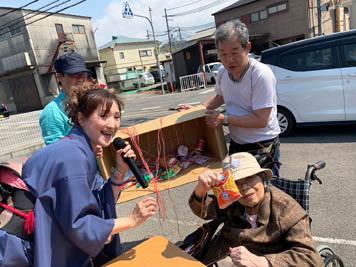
21	152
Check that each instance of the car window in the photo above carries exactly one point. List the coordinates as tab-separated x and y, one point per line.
349	51
316	59
216	67
147	75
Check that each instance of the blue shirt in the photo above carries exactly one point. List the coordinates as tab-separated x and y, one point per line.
75	208
54	121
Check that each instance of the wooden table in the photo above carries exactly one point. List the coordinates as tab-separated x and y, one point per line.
156	251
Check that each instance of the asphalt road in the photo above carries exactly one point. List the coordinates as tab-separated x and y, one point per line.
332	203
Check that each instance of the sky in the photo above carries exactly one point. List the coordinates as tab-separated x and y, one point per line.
107	17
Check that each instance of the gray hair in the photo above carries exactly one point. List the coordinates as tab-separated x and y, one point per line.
230	30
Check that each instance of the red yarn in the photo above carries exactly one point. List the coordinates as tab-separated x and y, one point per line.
29	226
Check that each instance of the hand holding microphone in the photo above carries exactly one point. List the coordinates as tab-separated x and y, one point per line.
120	144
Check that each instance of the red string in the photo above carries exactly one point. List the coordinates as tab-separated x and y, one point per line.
132	133
30	218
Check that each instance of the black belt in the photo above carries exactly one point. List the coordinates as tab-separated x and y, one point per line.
252	146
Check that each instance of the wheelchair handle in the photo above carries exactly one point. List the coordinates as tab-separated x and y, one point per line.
310	173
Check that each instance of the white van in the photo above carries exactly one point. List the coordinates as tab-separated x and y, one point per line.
211	70
316	80
145	79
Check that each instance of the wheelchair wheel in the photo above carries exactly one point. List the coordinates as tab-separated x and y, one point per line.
329	257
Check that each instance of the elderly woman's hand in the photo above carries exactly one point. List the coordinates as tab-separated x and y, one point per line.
206	181
143	210
244	258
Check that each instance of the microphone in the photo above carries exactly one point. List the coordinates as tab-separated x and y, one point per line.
120	144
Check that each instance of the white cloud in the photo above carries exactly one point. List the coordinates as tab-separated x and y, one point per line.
114	24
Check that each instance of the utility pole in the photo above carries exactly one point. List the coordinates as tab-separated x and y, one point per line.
180	36
169	36
320	29
148	35
154	40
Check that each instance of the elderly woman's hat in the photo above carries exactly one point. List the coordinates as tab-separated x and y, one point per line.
242	165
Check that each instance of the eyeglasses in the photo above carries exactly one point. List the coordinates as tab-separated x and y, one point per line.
249	181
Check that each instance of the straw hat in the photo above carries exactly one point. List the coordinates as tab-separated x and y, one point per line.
242	165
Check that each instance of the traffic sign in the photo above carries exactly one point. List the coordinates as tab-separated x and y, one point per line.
126	11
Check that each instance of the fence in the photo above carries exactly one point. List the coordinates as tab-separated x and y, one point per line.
192	82
20	131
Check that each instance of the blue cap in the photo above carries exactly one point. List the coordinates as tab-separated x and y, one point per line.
71	64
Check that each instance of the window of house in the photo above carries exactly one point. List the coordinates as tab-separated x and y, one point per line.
59	28
277	8
122	55
145	53
78	29
254	17
258	15
14	30
316	59
263	14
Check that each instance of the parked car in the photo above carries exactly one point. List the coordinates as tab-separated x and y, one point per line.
3	110
211	70
145	79
155	74
316	80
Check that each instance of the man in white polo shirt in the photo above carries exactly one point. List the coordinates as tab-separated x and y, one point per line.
248	89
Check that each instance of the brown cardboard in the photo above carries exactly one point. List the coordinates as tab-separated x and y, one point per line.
156	251
184	127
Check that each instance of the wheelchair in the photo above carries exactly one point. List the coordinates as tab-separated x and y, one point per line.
196	244
300	191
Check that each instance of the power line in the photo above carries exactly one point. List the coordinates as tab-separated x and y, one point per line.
15	9
15	21
198	9
183	5
26	24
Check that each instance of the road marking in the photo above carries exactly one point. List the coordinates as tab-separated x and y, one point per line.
193	103
334	241
207	91
150	108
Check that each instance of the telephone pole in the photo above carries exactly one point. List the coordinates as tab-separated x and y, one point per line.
169	36
320	29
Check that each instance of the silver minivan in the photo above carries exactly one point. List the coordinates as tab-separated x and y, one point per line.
316	80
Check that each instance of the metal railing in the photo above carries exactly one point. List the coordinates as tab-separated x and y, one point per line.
20	131
192	82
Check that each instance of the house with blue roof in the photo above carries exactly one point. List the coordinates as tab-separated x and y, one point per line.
125	54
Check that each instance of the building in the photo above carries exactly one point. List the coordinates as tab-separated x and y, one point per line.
199	50
125	54
277	22
30	41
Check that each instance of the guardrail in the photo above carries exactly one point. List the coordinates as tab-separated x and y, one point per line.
20	131
192	82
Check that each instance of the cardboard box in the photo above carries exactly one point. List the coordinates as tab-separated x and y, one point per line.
156	251
181	128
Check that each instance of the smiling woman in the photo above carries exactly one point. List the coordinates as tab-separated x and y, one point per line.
73	202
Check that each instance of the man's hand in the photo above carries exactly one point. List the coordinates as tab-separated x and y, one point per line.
244	258
213	118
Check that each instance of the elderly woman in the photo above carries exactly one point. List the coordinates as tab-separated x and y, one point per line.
265	227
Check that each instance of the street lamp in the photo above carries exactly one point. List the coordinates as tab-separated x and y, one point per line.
154	39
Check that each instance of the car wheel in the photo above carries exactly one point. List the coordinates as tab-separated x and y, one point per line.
286	122
212	80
